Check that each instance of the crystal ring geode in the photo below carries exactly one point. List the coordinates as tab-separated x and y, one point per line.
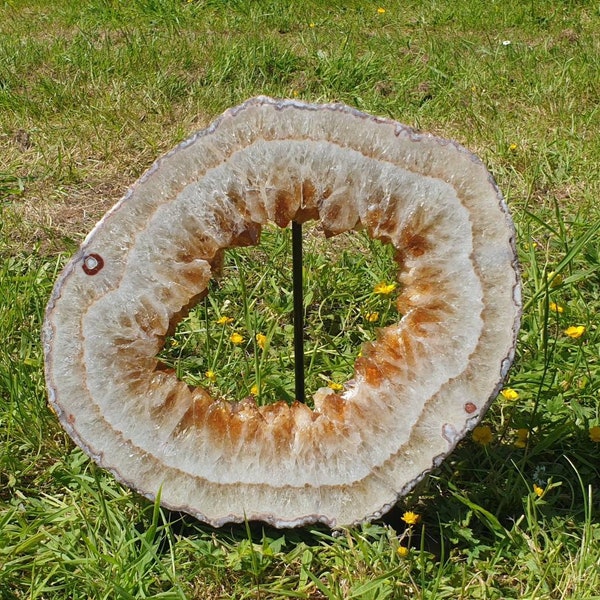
417	389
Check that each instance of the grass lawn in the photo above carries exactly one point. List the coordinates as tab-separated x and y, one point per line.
92	92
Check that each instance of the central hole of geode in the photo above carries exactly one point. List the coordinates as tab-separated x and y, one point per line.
239	340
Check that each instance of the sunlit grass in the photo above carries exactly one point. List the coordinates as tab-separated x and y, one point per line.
91	93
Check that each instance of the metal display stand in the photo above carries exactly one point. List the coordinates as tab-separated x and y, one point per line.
298	311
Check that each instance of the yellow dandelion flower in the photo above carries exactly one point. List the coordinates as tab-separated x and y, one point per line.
311	25
539	491
381	10
254	390
482	435
513	147
224	320
522	437
384	288
411	518
403	551
372	317
510	394
236	339
211	376
261	340
575	332
557	308
595	434
336	387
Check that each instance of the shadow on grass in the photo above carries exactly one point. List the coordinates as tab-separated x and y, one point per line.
473	500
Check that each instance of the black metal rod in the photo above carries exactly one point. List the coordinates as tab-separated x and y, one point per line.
298	310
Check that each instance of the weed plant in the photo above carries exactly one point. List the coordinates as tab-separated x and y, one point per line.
92	92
